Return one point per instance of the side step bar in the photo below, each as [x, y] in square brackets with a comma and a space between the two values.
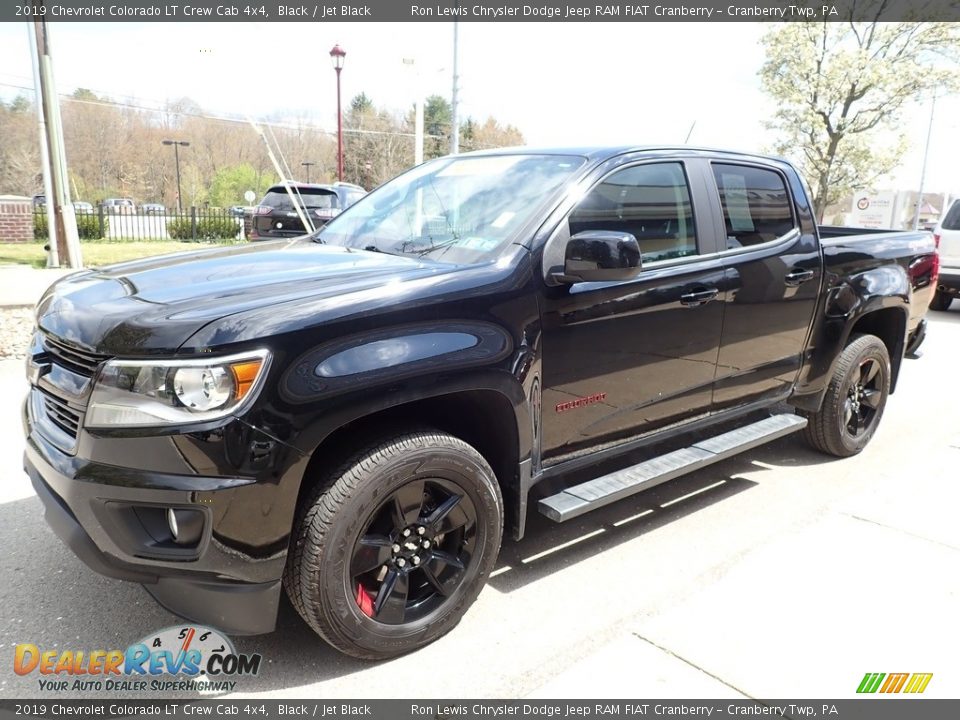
[579, 499]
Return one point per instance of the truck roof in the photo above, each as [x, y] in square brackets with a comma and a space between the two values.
[601, 152]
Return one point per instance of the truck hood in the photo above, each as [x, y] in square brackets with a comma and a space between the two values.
[154, 305]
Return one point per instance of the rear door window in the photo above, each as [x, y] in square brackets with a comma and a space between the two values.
[952, 219]
[755, 202]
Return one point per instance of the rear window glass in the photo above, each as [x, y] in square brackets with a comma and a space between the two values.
[756, 207]
[952, 220]
[311, 198]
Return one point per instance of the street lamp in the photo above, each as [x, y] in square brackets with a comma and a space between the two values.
[308, 165]
[177, 144]
[337, 55]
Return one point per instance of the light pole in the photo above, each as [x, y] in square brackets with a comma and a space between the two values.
[177, 144]
[308, 165]
[337, 55]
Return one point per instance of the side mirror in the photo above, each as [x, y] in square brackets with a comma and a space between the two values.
[600, 255]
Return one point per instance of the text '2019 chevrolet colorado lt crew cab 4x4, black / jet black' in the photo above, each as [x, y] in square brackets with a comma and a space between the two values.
[360, 415]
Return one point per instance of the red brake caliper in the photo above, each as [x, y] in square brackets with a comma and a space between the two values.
[365, 601]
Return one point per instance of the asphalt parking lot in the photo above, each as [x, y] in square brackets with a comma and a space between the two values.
[777, 574]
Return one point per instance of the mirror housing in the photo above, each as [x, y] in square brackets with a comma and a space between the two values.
[600, 256]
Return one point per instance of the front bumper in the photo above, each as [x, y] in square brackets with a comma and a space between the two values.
[104, 514]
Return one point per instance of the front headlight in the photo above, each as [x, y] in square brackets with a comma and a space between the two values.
[148, 393]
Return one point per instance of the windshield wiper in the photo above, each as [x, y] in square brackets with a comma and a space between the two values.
[437, 246]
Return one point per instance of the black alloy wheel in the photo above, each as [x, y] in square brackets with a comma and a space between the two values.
[414, 552]
[864, 395]
[391, 547]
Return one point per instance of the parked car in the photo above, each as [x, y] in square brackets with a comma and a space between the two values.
[153, 209]
[360, 415]
[237, 211]
[947, 235]
[276, 217]
[119, 206]
[81, 207]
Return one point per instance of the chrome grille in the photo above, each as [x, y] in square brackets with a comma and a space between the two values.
[72, 357]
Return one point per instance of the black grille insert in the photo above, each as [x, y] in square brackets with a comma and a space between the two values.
[61, 415]
[72, 357]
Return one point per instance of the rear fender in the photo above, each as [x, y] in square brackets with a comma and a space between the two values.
[876, 301]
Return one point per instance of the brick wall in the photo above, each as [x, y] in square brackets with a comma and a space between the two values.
[16, 219]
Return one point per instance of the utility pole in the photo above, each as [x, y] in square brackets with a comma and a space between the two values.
[177, 144]
[53, 257]
[923, 170]
[63, 230]
[417, 112]
[454, 102]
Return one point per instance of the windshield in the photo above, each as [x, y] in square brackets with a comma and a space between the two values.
[278, 199]
[463, 209]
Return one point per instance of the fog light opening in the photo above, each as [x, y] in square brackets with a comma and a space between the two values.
[186, 526]
[172, 522]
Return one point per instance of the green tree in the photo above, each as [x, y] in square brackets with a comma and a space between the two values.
[437, 122]
[376, 145]
[230, 183]
[361, 103]
[20, 104]
[85, 94]
[841, 89]
[491, 134]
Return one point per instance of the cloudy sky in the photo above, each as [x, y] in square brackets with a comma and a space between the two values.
[577, 83]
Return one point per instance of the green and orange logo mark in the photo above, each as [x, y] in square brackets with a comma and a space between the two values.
[894, 682]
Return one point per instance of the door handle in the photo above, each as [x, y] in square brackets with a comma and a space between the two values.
[798, 276]
[698, 297]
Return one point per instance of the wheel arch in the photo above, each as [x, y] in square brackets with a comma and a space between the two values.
[890, 325]
[886, 317]
[487, 419]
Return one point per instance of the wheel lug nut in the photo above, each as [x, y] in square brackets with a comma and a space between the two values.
[426, 544]
[401, 562]
[406, 533]
[396, 548]
[415, 560]
[421, 530]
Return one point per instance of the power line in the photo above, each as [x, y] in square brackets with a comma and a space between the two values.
[218, 118]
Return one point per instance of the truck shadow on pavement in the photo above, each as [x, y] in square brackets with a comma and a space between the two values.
[54, 601]
[548, 546]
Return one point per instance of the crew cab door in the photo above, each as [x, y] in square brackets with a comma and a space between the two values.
[773, 267]
[624, 357]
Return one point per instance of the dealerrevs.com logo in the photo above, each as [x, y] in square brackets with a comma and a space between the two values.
[198, 658]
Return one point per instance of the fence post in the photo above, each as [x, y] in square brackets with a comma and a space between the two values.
[103, 230]
[193, 222]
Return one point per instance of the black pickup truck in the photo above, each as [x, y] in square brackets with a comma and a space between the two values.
[358, 416]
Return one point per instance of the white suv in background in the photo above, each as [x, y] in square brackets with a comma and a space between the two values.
[947, 233]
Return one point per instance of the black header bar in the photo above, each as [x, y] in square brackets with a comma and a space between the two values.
[474, 11]
[875, 708]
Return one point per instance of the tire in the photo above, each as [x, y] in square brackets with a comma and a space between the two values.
[855, 400]
[941, 301]
[420, 513]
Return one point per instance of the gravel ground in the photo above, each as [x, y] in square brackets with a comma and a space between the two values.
[16, 326]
